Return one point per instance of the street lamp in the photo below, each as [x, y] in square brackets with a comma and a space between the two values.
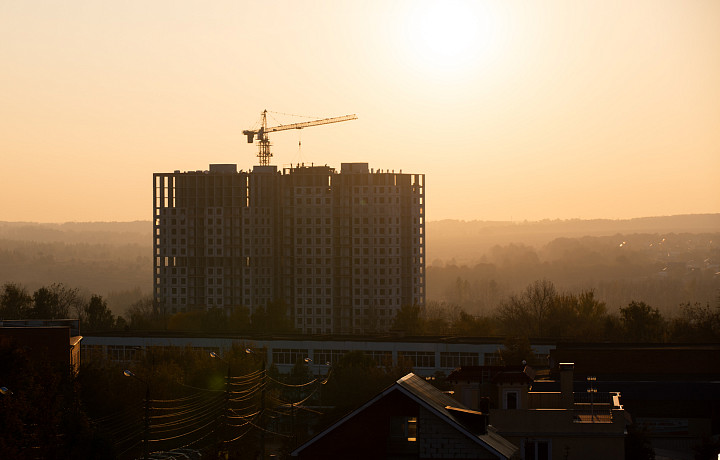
[146, 441]
[5, 391]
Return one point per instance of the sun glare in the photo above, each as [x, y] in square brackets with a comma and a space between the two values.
[447, 37]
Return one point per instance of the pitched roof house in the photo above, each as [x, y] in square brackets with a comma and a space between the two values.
[410, 419]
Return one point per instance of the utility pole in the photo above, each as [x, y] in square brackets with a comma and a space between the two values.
[294, 434]
[146, 441]
[263, 376]
[262, 410]
[226, 409]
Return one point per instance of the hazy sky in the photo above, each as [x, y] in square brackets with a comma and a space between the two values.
[513, 109]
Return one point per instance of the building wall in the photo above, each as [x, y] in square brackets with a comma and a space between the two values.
[345, 251]
[367, 434]
[567, 438]
[308, 248]
[45, 344]
[426, 357]
[437, 439]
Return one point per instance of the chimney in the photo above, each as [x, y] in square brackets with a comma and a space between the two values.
[566, 385]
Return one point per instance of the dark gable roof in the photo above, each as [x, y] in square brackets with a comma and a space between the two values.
[512, 376]
[428, 393]
[441, 405]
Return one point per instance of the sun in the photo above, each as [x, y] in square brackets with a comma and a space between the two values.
[447, 37]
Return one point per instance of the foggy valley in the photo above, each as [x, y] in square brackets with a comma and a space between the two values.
[663, 261]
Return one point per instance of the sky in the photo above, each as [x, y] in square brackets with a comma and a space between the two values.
[513, 110]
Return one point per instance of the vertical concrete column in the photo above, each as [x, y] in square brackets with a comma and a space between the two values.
[566, 385]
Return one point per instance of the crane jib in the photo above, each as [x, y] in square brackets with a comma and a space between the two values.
[306, 124]
[264, 143]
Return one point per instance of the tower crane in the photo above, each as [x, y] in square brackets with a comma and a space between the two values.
[262, 133]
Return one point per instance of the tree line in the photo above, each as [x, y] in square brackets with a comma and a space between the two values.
[57, 301]
[539, 310]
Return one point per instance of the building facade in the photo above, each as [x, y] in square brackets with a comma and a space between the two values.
[343, 250]
[426, 357]
[545, 424]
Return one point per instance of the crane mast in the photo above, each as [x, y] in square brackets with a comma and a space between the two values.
[264, 153]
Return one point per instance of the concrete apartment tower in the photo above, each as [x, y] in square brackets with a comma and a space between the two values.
[344, 251]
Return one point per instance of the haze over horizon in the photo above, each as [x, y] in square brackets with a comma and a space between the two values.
[513, 110]
[489, 221]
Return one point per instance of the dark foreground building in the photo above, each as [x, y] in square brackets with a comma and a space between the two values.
[56, 342]
[411, 419]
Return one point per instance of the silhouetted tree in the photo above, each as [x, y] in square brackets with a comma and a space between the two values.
[409, 320]
[515, 350]
[193, 320]
[697, 323]
[355, 378]
[45, 305]
[436, 319]
[97, 316]
[56, 301]
[146, 314]
[468, 325]
[273, 318]
[576, 316]
[642, 323]
[591, 314]
[15, 302]
[527, 314]
[239, 319]
[70, 301]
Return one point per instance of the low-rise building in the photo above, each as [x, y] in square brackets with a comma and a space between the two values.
[672, 390]
[54, 341]
[545, 424]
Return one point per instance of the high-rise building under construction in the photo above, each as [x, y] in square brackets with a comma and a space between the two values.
[344, 251]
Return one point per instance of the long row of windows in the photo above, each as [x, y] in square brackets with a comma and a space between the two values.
[290, 356]
[418, 358]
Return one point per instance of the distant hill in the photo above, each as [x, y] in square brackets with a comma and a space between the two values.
[138, 232]
[112, 259]
[442, 235]
[467, 241]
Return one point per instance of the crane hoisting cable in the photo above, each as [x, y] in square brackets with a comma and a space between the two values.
[264, 153]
